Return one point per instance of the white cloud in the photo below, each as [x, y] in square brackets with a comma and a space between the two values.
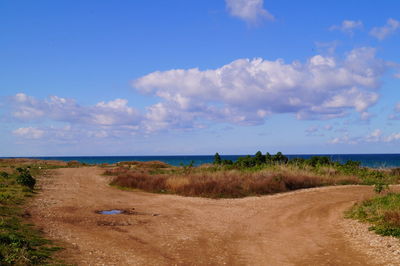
[29, 133]
[343, 140]
[348, 26]
[251, 11]
[243, 92]
[376, 136]
[246, 91]
[381, 33]
[55, 108]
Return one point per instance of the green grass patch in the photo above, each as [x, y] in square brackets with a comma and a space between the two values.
[20, 242]
[382, 212]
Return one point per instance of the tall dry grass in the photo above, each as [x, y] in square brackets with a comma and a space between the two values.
[227, 183]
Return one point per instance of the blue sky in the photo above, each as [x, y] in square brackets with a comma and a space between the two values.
[199, 77]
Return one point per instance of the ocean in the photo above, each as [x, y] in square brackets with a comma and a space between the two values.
[367, 160]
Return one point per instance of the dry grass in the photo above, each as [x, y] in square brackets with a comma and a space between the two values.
[225, 183]
[392, 218]
[149, 164]
[20, 162]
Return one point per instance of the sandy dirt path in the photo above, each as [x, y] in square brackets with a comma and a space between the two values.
[296, 228]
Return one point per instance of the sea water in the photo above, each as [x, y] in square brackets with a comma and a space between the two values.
[368, 160]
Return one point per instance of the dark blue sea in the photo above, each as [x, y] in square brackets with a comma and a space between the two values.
[368, 160]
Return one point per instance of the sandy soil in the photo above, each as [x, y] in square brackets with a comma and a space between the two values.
[296, 228]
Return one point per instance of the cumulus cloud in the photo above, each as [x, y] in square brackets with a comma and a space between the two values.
[247, 91]
[251, 11]
[29, 133]
[243, 92]
[381, 33]
[116, 112]
[348, 26]
[110, 119]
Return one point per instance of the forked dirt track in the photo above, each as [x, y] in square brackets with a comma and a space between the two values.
[296, 228]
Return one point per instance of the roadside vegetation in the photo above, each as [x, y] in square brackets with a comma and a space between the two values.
[383, 212]
[20, 242]
[248, 176]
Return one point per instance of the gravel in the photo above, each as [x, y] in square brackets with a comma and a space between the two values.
[384, 250]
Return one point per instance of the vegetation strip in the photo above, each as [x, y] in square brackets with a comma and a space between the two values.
[383, 212]
[20, 242]
[251, 175]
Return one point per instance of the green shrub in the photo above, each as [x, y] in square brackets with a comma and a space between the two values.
[25, 178]
[217, 159]
[4, 174]
[319, 161]
[380, 186]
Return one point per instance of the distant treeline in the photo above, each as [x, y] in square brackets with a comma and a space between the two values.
[260, 159]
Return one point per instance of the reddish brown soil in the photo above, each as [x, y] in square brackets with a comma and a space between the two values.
[296, 228]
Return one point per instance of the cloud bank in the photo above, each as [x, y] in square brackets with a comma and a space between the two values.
[243, 92]
[246, 91]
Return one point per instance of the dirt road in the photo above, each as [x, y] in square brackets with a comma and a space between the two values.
[297, 228]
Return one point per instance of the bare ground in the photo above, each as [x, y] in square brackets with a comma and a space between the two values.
[297, 228]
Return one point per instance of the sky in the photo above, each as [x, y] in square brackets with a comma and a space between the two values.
[179, 77]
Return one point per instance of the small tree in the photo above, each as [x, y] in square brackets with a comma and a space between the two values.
[259, 158]
[217, 159]
[280, 158]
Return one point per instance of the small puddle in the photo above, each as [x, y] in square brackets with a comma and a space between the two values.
[124, 211]
[111, 212]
